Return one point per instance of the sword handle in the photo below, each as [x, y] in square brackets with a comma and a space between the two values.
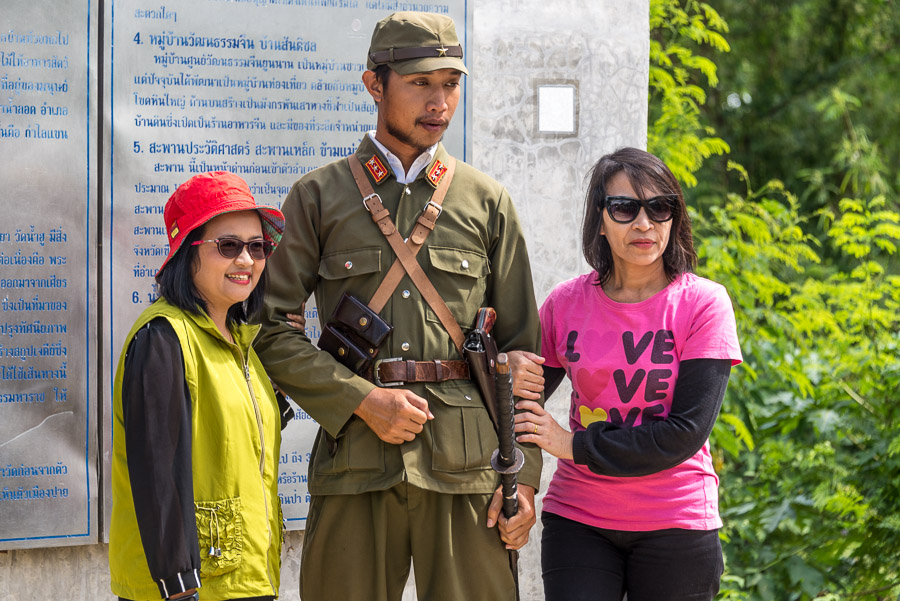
[507, 459]
[508, 456]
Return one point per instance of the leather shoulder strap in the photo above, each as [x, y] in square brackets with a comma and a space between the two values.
[424, 226]
[406, 252]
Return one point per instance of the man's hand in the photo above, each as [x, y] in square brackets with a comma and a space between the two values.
[396, 415]
[515, 530]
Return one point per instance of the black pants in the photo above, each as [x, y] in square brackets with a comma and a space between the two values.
[583, 563]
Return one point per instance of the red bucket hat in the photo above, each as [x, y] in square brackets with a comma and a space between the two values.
[209, 195]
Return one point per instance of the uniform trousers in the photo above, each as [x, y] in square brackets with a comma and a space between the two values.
[358, 547]
[584, 563]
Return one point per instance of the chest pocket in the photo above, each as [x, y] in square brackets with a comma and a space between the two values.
[350, 263]
[460, 276]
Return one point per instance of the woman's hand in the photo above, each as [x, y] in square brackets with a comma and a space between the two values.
[537, 426]
[527, 374]
[297, 321]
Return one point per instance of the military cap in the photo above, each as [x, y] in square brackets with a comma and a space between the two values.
[415, 42]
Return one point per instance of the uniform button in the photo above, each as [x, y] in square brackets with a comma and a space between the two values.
[405, 346]
[348, 265]
[407, 191]
[465, 264]
[405, 294]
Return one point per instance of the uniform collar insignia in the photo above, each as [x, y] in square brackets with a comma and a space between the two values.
[436, 173]
[376, 169]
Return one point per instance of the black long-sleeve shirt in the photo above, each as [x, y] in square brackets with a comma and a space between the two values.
[156, 407]
[617, 450]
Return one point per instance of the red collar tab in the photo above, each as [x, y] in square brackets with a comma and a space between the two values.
[438, 170]
[376, 169]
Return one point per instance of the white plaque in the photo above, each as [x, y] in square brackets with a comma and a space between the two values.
[556, 109]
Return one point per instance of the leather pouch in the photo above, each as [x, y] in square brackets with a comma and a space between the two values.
[358, 320]
[346, 351]
[354, 334]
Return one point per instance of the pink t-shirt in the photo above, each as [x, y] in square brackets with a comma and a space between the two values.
[622, 359]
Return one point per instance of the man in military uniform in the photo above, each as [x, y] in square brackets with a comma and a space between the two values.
[402, 471]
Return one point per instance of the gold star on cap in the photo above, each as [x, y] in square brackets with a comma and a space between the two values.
[442, 51]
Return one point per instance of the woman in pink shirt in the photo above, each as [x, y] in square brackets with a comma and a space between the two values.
[648, 347]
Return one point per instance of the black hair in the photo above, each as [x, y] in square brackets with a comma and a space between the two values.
[645, 172]
[176, 284]
[382, 75]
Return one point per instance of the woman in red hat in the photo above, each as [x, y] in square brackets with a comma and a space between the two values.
[196, 428]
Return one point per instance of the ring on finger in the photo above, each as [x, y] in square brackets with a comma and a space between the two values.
[535, 429]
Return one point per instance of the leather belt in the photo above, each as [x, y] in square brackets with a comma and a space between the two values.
[396, 371]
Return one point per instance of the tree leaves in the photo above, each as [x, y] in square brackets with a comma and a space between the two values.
[677, 78]
[806, 444]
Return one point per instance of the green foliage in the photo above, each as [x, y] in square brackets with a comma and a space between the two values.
[806, 445]
[675, 133]
[801, 506]
[786, 58]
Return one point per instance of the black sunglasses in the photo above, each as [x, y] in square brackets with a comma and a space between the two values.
[231, 248]
[624, 209]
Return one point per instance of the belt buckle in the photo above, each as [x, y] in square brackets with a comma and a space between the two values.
[375, 377]
[366, 200]
[431, 203]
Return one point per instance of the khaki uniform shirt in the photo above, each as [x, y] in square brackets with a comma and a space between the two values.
[475, 257]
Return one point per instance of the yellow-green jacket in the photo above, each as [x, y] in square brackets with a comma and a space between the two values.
[475, 257]
[235, 438]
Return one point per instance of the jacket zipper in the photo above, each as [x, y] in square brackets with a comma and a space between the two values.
[262, 462]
